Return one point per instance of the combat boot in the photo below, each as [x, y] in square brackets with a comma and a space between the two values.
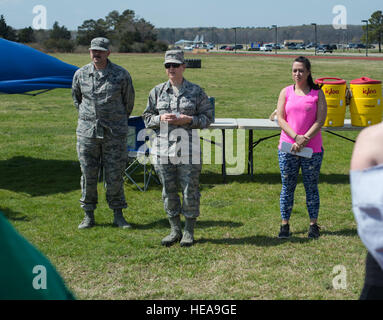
[88, 221]
[188, 236]
[175, 232]
[119, 219]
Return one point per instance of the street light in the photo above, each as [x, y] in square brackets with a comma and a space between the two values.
[174, 37]
[315, 27]
[276, 36]
[366, 21]
[235, 40]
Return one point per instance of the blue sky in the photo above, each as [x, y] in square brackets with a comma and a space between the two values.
[192, 13]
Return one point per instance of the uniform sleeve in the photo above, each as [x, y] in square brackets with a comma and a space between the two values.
[205, 112]
[150, 115]
[128, 94]
[368, 208]
[76, 90]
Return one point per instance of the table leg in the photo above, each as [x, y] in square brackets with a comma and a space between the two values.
[223, 156]
[250, 154]
[252, 145]
[340, 136]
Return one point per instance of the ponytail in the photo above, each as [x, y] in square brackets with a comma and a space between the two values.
[310, 80]
[312, 84]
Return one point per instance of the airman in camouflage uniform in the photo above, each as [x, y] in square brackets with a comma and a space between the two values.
[103, 94]
[174, 110]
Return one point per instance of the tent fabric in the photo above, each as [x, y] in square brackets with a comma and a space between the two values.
[19, 277]
[25, 69]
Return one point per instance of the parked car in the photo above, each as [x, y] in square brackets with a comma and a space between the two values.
[300, 47]
[276, 46]
[230, 48]
[266, 47]
[351, 45]
[356, 46]
[237, 47]
[223, 47]
[333, 46]
[310, 45]
[324, 48]
[292, 46]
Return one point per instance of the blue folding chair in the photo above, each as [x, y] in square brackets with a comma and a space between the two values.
[212, 101]
[138, 153]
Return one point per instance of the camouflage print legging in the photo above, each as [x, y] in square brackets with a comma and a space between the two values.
[187, 176]
[289, 165]
[112, 152]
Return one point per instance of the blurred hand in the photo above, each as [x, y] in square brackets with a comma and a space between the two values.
[296, 147]
[167, 117]
[300, 142]
[181, 120]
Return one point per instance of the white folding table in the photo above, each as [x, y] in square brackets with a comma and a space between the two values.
[267, 124]
[223, 124]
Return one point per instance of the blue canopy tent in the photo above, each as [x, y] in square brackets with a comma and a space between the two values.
[24, 69]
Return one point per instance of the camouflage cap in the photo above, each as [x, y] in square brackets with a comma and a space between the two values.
[174, 56]
[100, 43]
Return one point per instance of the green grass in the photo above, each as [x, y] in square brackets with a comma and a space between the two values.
[237, 254]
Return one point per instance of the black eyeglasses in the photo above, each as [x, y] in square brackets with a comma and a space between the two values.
[172, 65]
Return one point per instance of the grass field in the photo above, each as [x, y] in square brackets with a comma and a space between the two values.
[237, 254]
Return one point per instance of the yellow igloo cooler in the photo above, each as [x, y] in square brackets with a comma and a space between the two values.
[334, 90]
[366, 102]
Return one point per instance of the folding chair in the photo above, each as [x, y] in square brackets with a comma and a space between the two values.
[138, 154]
[212, 101]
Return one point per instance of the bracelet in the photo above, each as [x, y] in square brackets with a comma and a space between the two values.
[295, 138]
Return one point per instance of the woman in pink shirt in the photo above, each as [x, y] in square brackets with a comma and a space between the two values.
[301, 113]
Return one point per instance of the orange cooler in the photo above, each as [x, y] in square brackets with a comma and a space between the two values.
[334, 90]
[366, 102]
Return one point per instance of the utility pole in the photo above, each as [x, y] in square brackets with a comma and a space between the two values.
[276, 36]
[366, 21]
[316, 40]
[235, 40]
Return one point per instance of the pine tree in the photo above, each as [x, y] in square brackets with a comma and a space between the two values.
[376, 28]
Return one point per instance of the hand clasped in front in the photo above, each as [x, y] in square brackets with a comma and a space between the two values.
[176, 119]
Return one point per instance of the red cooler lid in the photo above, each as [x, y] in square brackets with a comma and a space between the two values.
[331, 81]
[365, 80]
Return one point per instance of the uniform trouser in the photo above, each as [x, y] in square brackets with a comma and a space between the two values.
[289, 165]
[187, 176]
[111, 153]
[373, 282]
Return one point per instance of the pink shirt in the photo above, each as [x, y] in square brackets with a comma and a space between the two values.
[300, 114]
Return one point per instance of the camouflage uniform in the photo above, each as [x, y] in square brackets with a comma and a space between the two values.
[104, 100]
[191, 100]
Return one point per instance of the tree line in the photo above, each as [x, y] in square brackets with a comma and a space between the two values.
[131, 34]
[248, 35]
[126, 32]
[325, 34]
